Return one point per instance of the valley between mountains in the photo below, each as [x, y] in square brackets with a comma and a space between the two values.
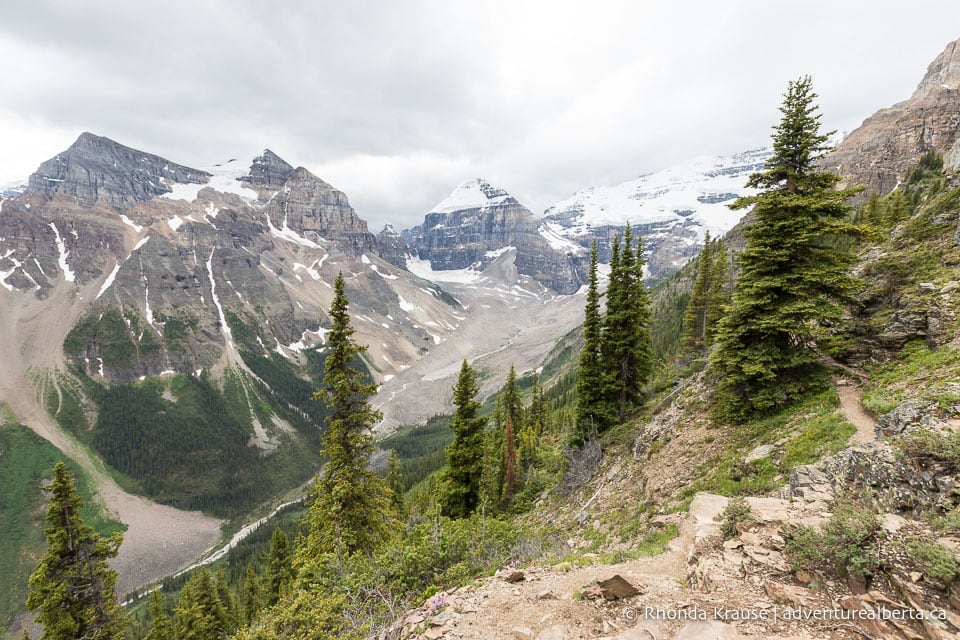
[165, 328]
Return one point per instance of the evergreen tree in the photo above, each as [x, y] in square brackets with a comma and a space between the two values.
[228, 604]
[72, 588]
[509, 461]
[793, 278]
[395, 484]
[718, 293]
[279, 567]
[200, 614]
[594, 412]
[627, 354]
[250, 596]
[695, 317]
[161, 628]
[349, 500]
[461, 490]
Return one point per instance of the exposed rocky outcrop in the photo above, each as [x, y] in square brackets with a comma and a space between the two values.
[897, 483]
[269, 172]
[473, 226]
[392, 247]
[888, 144]
[97, 170]
[313, 208]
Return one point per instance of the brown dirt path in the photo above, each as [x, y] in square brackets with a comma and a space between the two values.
[851, 404]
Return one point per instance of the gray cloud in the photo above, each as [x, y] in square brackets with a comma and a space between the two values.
[396, 102]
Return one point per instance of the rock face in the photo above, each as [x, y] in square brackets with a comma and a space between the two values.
[477, 222]
[310, 206]
[881, 152]
[269, 172]
[97, 170]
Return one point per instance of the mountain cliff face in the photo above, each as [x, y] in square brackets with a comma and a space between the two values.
[888, 144]
[477, 222]
[97, 170]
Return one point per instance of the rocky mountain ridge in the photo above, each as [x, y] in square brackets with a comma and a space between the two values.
[880, 152]
[472, 226]
[181, 267]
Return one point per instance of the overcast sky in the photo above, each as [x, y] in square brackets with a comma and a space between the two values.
[396, 102]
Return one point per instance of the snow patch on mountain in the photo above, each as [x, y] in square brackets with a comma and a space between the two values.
[697, 192]
[472, 194]
[225, 178]
[422, 269]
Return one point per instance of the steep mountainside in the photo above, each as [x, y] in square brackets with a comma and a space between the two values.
[672, 209]
[476, 222]
[888, 144]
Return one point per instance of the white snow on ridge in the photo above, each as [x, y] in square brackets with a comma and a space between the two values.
[423, 269]
[698, 190]
[109, 281]
[496, 253]
[224, 179]
[553, 234]
[472, 194]
[62, 259]
[130, 223]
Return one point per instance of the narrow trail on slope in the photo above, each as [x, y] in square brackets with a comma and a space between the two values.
[851, 404]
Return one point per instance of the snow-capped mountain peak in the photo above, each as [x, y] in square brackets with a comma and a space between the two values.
[697, 192]
[472, 194]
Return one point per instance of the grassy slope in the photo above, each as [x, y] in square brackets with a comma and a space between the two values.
[26, 462]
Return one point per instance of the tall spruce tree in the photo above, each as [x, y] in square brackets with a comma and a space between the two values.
[793, 278]
[161, 628]
[594, 412]
[72, 589]
[395, 484]
[349, 501]
[200, 613]
[461, 490]
[279, 568]
[695, 317]
[510, 471]
[627, 354]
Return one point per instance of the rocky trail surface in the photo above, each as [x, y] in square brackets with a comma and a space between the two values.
[701, 588]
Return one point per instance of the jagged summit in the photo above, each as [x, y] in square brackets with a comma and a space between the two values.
[943, 72]
[97, 170]
[473, 194]
[268, 172]
[880, 152]
[475, 225]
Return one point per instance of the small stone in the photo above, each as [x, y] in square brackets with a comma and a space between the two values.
[733, 543]
[759, 453]
[707, 630]
[515, 576]
[522, 633]
[926, 286]
[557, 632]
[617, 588]
[950, 286]
[915, 576]
[546, 595]
[435, 633]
